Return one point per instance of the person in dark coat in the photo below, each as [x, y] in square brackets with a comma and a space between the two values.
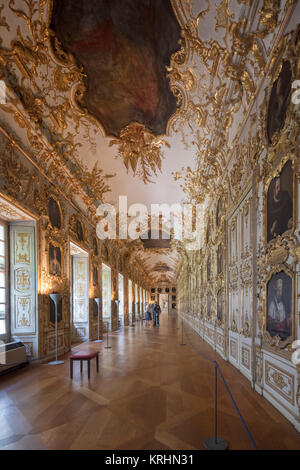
[156, 313]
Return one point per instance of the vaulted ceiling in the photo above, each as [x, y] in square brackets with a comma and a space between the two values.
[142, 98]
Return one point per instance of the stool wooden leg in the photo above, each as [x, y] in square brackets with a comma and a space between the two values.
[71, 368]
[89, 368]
[97, 362]
[81, 366]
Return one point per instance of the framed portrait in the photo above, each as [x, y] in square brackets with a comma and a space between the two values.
[279, 101]
[152, 297]
[79, 230]
[95, 246]
[152, 290]
[219, 212]
[220, 306]
[173, 298]
[208, 268]
[95, 276]
[208, 305]
[159, 290]
[54, 212]
[59, 311]
[219, 260]
[55, 260]
[167, 290]
[280, 305]
[280, 203]
[173, 289]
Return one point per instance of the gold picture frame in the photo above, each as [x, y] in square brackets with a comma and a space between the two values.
[55, 265]
[276, 173]
[58, 203]
[276, 340]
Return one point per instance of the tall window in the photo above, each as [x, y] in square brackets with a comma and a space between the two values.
[3, 278]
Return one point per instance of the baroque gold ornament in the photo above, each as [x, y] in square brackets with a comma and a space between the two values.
[140, 150]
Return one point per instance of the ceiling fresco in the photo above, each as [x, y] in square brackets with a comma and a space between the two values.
[124, 47]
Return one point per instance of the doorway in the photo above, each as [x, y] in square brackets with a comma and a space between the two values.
[18, 277]
[79, 293]
[164, 302]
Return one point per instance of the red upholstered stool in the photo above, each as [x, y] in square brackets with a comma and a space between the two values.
[84, 357]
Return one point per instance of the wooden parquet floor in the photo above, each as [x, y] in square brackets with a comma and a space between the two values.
[150, 393]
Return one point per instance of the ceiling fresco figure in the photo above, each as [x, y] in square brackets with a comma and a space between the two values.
[124, 47]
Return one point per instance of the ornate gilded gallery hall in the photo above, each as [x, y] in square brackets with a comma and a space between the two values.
[149, 225]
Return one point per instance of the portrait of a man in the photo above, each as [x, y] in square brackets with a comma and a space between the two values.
[54, 213]
[280, 203]
[279, 100]
[54, 260]
[79, 231]
[279, 302]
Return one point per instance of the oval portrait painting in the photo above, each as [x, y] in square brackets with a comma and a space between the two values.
[79, 231]
[54, 213]
[279, 305]
[279, 100]
[280, 203]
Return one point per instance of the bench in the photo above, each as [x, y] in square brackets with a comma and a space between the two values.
[84, 357]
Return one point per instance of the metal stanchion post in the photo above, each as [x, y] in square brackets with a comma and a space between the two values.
[215, 443]
[107, 346]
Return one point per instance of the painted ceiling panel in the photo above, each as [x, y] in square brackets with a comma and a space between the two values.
[124, 47]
